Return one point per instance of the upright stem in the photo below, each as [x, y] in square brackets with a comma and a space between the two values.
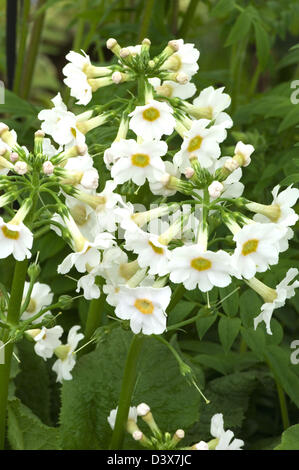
[283, 406]
[33, 50]
[22, 45]
[146, 19]
[127, 388]
[80, 28]
[188, 17]
[12, 317]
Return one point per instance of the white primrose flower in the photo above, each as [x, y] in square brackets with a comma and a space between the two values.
[144, 307]
[41, 296]
[47, 340]
[159, 187]
[151, 253]
[152, 120]
[76, 79]
[224, 438]
[201, 142]
[115, 152]
[65, 353]
[88, 284]
[61, 124]
[245, 151]
[276, 298]
[89, 257]
[193, 266]
[184, 60]
[105, 212]
[173, 89]
[140, 162]
[213, 102]
[112, 416]
[16, 240]
[257, 248]
[84, 216]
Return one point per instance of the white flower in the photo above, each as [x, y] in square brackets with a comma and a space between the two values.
[225, 441]
[214, 102]
[245, 152]
[89, 286]
[76, 79]
[89, 257]
[144, 307]
[112, 417]
[173, 89]
[61, 124]
[67, 361]
[201, 142]
[184, 60]
[151, 253]
[16, 240]
[257, 248]
[47, 340]
[152, 120]
[41, 296]
[106, 212]
[284, 290]
[159, 186]
[140, 162]
[193, 266]
[84, 216]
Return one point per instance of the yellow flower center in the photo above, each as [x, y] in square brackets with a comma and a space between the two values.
[201, 264]
[73, 131]
[195, 143]
[140, 159]
[12, 234]
[249, 247]
[156, 249]
[32, 306]
[144, 306]
[151, 114]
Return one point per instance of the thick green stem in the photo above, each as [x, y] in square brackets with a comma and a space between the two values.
[146, 19]
[188, 17]
[283, 406]
[12, 317]
[127, 388]
[22, 45]
[32, 51]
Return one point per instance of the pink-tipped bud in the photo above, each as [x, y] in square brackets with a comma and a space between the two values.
[143, 409]
[189, 172]
[231, 164]
[39, 133]
[48, 168]
[215, 189]
[117, 77]
[14, 157]
[174, 45]
[124, 52]
[137, 435]
[111, 43]
[21, 168]
[3, 127]
[182, 78]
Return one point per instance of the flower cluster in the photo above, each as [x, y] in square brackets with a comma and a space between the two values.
[133, 257]
[223, 440]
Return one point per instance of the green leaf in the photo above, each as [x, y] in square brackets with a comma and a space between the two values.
[255, 339]
[262, 44]
[203, 325]
[290, 179]
[17, 106]
[228, 329]
[250, 305]
[27, 432]
[240, 29]
[279, 360]
[94, 391]
[289, 439]
[290, 120]
[222, 8]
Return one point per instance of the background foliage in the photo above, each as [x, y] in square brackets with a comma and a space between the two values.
[250, 47]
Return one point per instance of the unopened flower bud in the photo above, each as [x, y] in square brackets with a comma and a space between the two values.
[137, 435]
[117, 77]
[21, 168]
[65, 302]
[3, 128]
[143, 409]
[146, 42]
[82, 149]
[124, 52]
[231, 165]
[182, 78]
[174, 44]
[180, 433]
[111, 43]
[34, 271]
[13, 157]
[215, 189]
[202, 445]
[39, 133]
[90, 179]
[48, 168]
[189, 172]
